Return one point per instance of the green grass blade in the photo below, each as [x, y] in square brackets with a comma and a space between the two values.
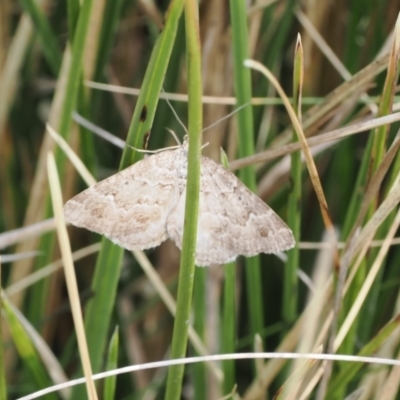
[228, 323]
[228, 327]
[187, 267]
[379, 148]
[199, 325]
[109, 260]
[107, 270]
[26, 349]
[112, 363]
[47, 37]
[112, 14]
[362, 326]
[39, 294]
[349, 370]
[73, 7]
[242, 84]
[290, 294]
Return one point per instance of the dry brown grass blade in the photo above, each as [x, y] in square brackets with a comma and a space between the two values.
[290, 389]
[367, 284]
[50, 269]
[316, 115]
[26, 232]
[73, 292]
[391, 201]
[272, 367]
[374, 185]
[304, 145]
[337, 134]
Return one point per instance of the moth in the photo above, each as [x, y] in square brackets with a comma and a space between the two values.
[143, 205]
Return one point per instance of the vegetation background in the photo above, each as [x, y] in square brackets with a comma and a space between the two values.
[346, 301]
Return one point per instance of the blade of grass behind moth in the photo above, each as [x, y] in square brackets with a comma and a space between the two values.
[165, 117]
[187, 267]
[108, 264]
[242, 85]
[290, 293]
[3, 393]
[228, 323]
[199, 325]
[147, 101]
[70, 277]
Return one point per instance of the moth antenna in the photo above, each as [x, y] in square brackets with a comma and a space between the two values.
[175, 137]
[205, 145]
[175, 114]
[151, 151]
[226, 117]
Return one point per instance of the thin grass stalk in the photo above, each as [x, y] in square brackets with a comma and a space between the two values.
[87, 144]
[199, 325]
[228, 323]
[70, 276]
[385, 106]
[3, 392]
[187, 266]
[351, 217]
[47, 37]
[98, 312]
[39, 292]
[112, 14]
[112, 363]
[242, 84]
[279, 38]
[73, 10]
[290, 294]
[228, 327]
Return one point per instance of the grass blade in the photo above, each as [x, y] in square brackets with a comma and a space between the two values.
[187, 267]
[242, 84]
